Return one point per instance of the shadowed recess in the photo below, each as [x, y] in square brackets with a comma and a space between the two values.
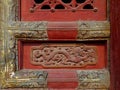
[88, 6]
[38, 1]
[59, 6]
[45, 7]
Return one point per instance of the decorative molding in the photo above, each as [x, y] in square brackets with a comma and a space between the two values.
[11, 61]
[14, 35]
[93, 79]
[19, 25]
[26, 78]
[93, 29]
[30, 35]
[63, 55]
[92, 34]
[13, 9]
[93, 25]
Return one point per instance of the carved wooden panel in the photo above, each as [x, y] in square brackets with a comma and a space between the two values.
[63, 10]
[19, 39]
[72, 5]
[63, 55]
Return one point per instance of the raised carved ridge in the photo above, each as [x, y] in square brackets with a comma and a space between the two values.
[93, 79]
[36, 34]
[28, 25]
[93, 29]
[27, 78]
[10, 76]
[86, 29]
[63, 55]
[93, 25]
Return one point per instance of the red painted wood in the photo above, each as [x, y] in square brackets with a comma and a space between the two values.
[62, 30]
[115, 44]
[62, 78]
[60, 15]
[63, 85]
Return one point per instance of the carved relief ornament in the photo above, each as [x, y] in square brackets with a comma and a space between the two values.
[64, 55]
[98, 79]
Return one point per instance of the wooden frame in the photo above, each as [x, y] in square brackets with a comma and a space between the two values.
[14, 30]
[115, 44]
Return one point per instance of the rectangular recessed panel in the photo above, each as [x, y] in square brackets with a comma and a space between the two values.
[56, 55]
[63, 10]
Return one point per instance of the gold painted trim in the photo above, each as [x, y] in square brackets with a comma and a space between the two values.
[10, 75]
[93, 79]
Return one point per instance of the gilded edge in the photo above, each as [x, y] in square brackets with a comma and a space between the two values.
[12, 29]
[8, 73]
[93, 29]
[93, 79]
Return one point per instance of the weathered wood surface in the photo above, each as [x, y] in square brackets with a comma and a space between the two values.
[115, 44]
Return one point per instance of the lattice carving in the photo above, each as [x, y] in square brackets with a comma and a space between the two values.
[63, 55]
[53, 5]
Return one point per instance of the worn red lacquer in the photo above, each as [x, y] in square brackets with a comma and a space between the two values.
[61, 10]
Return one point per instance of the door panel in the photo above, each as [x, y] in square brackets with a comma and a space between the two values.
[62, 54]
[58, 44]
[62, 59]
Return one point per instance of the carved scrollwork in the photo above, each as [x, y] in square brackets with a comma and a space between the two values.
[93, 29]
[87, 34]
[64, 55]
[93, 79]
[93, 25]
[28, 78]
[28, 25]
[10, 76]
[38, 34]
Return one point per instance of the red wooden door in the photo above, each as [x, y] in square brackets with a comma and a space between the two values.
[115, 44]
[62, 40]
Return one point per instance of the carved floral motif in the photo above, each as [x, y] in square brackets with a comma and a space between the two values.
[64, 55]
[28, 78]
[92, 29]
[93, 79]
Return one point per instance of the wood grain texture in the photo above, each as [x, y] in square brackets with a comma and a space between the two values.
[115, 43]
